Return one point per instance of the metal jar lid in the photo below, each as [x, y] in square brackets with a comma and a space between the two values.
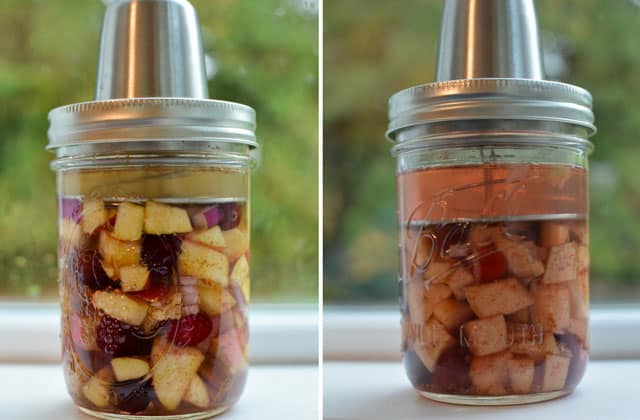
[151, 120]
[490, 99]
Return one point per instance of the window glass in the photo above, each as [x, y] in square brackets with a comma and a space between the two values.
[388, 48]
[262, 53]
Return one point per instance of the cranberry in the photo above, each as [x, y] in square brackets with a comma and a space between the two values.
[191, 329]
[418, 374]
[117, 338]
[160, 253]
[89, 271]
[70, 208]
[451, 374]
[231, 215]
[132, 396]
[490, 264]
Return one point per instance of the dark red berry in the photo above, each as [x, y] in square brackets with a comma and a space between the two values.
[89, 272]
[117, 338]
[231, 215]
[160, 253]
[70, 208]
[191, 329]
[490, 264]
[132, 396]
[451, 374]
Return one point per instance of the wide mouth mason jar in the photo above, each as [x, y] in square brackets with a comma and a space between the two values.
[153, 222]
[493, 230]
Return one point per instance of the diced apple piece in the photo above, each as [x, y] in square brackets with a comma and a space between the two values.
[415, 301]
[481, 235]
[164, 219]
[127, 368]
[580, 328]
[212, 237]
[231, 349]
[159, 347]
[96, 390]
[120, 306]
[210, 266]
[110, 271]
[452, 313]
[580, 230]
[215, 299]
[433, 295]
[70, 233]
[240, 275]
[417, 251]
[521, 373]
[237, 243]
[555, 372]
[561, 264]
[437, 272]
[94, 215]
[134, 278]
[209, 217]
[116, 253]
[553, 233]
[431, 342]
[83, 331]
[129, 222]
[522, 257]
[579, 292]
[520, 317]
[490, 374]
[583, 259]
[552, 307]
[500, 297]
[167, 307]
[531, 341]
[486, 336]
[458, 280]
[173, 373]
[197, 393]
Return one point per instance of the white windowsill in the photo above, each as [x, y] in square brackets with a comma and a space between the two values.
[278, 333]
[37, 392]
[381, 391]
[374, 334]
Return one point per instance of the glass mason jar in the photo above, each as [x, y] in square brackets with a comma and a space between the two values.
[494, 244]
[153, 217]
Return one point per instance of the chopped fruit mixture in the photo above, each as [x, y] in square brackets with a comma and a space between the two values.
[154, 299]
[496, 309]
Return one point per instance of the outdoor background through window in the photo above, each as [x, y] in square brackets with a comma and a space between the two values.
[262, 53]
[388, 48]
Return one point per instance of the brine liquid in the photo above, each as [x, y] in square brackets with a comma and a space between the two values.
[494, 279]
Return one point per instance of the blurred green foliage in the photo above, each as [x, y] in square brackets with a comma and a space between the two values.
[373, 48]
[266, 55]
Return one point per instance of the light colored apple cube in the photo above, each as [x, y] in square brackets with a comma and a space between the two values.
[553, 233]
[437, 272]
[215, 299]
[580, 230]
[482, 235]
[116, 253]
[203, 262]
[230, 348]
[121, 306]
[521, 373]
[490, 374]
[552, 306]
[96, 390]
[500, 297]
[555, 372]
[159, 348]
[134, 278]
[458, 280]
[168, 307]
[164, 219]
[519, 317]
[173, 373]
[452, 313]
[486, 336]
[197, 393]
[583, 259]
[433, 340]
[94, 215]
[237, 243]
[418, 251]
[531, 341]
[212, 237]
[129, 222]
[579, 292]
[110, 271]
[433, 295]
[522, 257]
[240, 275]
[127, 368]
[562, 263]
[580, 328]
[70, 233]
[414, 294]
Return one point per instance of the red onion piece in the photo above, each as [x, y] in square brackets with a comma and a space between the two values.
[70, 208]
[209, 217]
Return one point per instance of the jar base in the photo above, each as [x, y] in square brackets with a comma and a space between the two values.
[515, 399]
[187, 416]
